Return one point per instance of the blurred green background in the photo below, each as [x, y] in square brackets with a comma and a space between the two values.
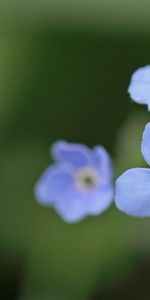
[64, 71]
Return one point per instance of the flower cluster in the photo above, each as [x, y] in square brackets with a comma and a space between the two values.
[133, 186]
[80, 182]
[132, 190]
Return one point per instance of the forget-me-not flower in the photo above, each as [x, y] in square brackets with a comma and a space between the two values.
[139, 87]
[132, 194]
[79, 183]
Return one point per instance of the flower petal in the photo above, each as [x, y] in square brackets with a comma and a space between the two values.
[145, 146]
[133, 192]
[139, 87]
[74, 154]
[100, 201]
[52, 184]
[76, 206]
[72, 209]
[103, 164]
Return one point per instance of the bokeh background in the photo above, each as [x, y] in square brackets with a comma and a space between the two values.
[64, 72]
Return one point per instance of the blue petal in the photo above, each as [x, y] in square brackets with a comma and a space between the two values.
[133, 192]
[100, 201]
[139, 88]
[76, 206]
[103, 163]
[145, 147]
[75, 154]
[52, 184]
[71, 210]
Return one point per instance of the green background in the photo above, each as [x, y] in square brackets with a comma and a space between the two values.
[64, 71]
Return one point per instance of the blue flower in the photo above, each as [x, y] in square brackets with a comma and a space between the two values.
[79, 183]
[139, 88]
[132, 194]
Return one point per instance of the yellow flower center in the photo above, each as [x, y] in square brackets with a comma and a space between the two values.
[87, 178]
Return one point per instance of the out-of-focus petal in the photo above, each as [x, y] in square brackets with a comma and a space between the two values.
[139, 87]
[76, 206]
[72, 209]
[132, 194]
[145, 146]
[75, 154]
[103, 163]
[54, 181]
[100, 201]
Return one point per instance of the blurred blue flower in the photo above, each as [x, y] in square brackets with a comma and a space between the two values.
[132, 194]
[139, 87]
[79, 183]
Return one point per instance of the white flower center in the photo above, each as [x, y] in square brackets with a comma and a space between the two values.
[87, 179]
